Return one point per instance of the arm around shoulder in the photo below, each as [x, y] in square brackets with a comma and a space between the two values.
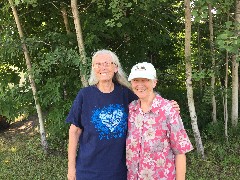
[175, 105]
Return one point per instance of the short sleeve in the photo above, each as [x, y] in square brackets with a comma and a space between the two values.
[74, 116]
[131, 96]
[180, 143]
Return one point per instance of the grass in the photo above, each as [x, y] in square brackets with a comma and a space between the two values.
[21, 157]
[222, 161]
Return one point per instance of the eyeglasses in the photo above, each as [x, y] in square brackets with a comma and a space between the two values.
[104, 64]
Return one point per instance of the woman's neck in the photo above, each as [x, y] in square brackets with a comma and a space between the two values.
[146, 103]
[106, 86]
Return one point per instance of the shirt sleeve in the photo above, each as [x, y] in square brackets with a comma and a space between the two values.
[131, 96]
[74, 116]
[180, 143]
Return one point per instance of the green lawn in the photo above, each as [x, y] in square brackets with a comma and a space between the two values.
[21, 157]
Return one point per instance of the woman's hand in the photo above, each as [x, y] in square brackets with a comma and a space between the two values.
[71, 173]
[175, 105]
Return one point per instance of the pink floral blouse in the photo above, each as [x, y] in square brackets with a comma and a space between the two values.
[153, 140]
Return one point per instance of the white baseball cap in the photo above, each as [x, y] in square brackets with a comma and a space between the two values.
[143, 70]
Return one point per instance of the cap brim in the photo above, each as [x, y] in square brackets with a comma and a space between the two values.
[140, 75]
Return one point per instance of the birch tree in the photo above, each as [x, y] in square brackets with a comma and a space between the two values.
[225, 92]
[235, 65]
[66, 24]
[31, 79]
[225, 99]
[213, 79]
[189, 87]
[80, 41]
[199, 59]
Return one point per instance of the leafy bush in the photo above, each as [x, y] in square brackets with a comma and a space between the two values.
[57, 77]
[15, 101]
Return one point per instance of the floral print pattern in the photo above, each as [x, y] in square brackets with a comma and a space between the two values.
[153, 140]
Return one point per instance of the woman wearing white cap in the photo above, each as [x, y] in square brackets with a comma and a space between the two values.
[98, 120]
[156, 140]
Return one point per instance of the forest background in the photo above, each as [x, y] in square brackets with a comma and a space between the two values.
[54, 51]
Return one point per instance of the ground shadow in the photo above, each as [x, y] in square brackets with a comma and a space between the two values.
[26, 126]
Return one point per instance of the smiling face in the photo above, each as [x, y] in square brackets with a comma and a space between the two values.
[103, 67]
[143, 87]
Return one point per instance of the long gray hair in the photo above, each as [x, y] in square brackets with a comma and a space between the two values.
[119, 76]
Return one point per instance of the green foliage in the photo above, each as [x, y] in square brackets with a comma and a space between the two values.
[11, 51]
[15, 101]
[200, 11]
[202, 102]
[228, 40]
[135, 30]
[54, 73]
[15, 97]
[32, 2]
[204, 74]
[119, 9]
[57, 129]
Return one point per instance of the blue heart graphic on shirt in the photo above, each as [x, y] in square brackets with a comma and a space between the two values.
[111, 120]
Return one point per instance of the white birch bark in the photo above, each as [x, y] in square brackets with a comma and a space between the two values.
[234, 91]
[80, 40]
[225, 100]
[235, 65]
[214, 106]
[190, 98]
[31, 79]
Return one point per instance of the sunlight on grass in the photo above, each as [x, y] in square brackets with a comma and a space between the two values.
[20, 117]
[6, 161]
[13, 149]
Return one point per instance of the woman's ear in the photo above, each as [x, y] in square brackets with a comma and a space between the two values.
[116, 69]
[154, 81]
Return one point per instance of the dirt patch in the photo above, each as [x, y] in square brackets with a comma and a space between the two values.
[26, 126]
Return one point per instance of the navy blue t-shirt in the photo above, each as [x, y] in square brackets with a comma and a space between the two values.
[103, 120]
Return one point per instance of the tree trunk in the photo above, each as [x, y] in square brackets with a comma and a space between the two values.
[235, 65]
[193, 115]
[214, 106]
[199, 61]
[32, 83]
[225, 101]
[80, 42]
[66, 23]
[65, 19]
[234, 91]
